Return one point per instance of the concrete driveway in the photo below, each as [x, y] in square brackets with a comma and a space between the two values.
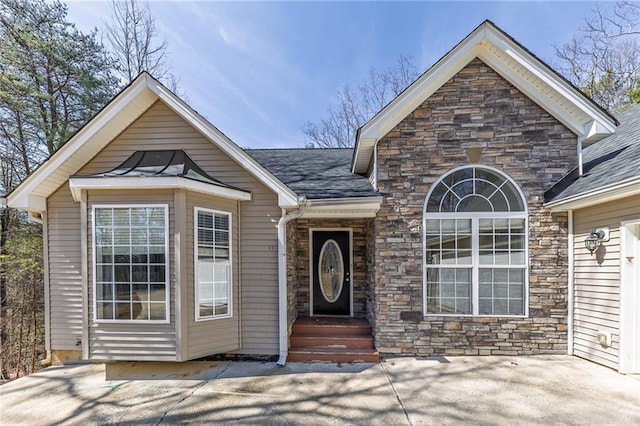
[454, 390]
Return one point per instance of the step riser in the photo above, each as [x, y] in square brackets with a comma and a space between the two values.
[319, 330]
[337, 357]
[326, 341]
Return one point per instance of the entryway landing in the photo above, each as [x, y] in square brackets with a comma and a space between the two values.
[332, 339]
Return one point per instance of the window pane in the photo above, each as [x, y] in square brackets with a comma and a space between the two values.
[121, 217]
[156, 217]
[139, 236]
[104, 292]
[206, 309]
[104, 310]
[123, 311]
[157, 311]
[222, 222]
[433, 205]
[104, 273]
[433, 226]
[157, 292]
[205, 220]
[139, 274]
[205, 237]
[122, 273]
[104, 236]
[104, 217]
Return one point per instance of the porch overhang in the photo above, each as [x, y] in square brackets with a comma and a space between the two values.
[342, 208]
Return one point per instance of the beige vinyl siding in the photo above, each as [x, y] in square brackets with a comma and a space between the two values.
[65, 270]
[207, 337]
[132, 341]
[597, 280]
[160, 128]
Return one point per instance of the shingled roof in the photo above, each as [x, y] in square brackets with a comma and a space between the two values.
[613, 160]
[315, 173]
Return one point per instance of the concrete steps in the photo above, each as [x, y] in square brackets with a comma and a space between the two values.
[332, 339]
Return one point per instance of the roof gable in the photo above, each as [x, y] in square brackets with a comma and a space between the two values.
[514, 63]
[114, 118]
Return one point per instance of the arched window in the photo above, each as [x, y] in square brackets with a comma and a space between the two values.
[475, 245]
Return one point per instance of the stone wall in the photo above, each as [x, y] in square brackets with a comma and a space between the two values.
[476, 112]
[292, 274]
[359, 277]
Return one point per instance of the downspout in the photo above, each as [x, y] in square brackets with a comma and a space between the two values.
[580, 169]
[282, 277]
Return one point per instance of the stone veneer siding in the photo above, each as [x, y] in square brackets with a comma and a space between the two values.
[292, 274]
[476, 108]
[359, 277]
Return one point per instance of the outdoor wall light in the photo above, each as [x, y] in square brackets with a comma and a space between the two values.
[595, 238]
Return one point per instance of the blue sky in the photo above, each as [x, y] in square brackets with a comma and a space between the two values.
[259, 70]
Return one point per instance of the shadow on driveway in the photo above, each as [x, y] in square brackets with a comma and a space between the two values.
[452, 390]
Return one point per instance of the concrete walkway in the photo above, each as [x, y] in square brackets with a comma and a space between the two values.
[455, 390]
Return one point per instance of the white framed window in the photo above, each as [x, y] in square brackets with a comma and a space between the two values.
[475, 245]
[212, 258]
[130, 262]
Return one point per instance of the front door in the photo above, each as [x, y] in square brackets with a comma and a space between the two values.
[331, 272]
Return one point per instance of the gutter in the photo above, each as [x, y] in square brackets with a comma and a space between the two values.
[624, 188]
[282, 277]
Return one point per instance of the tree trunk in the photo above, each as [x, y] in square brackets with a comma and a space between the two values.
[5, 220]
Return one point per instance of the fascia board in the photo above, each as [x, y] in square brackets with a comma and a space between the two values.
[286, 197]
[77, 184]
[346, 208]
[19, 198]
[626, 188]
[550, 79]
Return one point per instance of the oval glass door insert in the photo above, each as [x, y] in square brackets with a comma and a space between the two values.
[331, 271]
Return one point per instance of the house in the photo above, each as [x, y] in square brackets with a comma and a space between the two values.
[455, 226]
[603, 204]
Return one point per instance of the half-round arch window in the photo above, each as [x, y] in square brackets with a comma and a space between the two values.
[475, 245]
[475, 189]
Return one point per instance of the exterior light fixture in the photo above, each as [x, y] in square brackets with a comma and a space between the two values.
[595, 238]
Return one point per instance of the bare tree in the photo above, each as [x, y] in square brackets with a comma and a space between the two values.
[135, 42]
[603, 59]
[355, 106]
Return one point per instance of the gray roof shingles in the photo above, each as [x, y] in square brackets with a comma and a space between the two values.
[315, 173]
[607, 162]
